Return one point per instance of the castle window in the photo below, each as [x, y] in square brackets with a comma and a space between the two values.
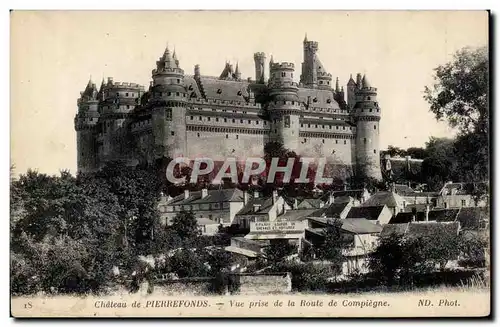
[219, 91]
[328, 82]
[374, 126]
[371, 110]
[301, 125]
[237, 136]
[177, 93]
[275, 130]
[191, 117]
[374, 151]
[198, 134]
[239, 92]
[283, 74]
[330, 126]
[343, 127]
[191, 87]
[234, 111]
[172, 133]
[241, 121]
[336, 127]
[234, 120]
[227, 136]
[200, 118]
[208, 118]
[217, 119]
[249, 121]
[265, 123]
[464, 203]
[292, 75]
[336, 141]
[117, 94]
[169, 93]
[315, 100]
[178, 80]
[128, 107]
[256, 122]
[320, 82]
[368, 98]
[323, 140]
[364, 140]
[328, 101]
[305, 140]
[225, 120]
[308, 125]
[345, 142]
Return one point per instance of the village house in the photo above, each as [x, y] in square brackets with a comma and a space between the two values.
[377, 214]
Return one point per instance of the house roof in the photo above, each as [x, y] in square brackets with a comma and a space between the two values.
[357, 193]
[389, 199]
[264, 206]
[403, 189]
[370, 213]
[356, 225]
[297, 215]
[321, 96]
[333, 210]
[213, 196]
[429, 228]
[389, 229]
[459, 188]
[471, 217]
[218, 89]
[311, 202]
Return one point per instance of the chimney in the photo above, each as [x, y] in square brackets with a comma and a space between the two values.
[427, 213]
[245, 197]
[345, 186]
[204, 193]
[393, 187]
[197, 71]
[186, 194]
[295, 204]
[256, 194]
[275, 196]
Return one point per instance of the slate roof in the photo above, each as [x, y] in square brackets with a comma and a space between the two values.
[265, 206]
[321, 96]
[313, 202]
[333, 210]
[370, 213]
[428, 228]
[214, 196]
[357, 194]
[389, 229]
[389, 199]
[356, 225]
[297, 215]
[403, 189]
[228, 89]
[471, 217]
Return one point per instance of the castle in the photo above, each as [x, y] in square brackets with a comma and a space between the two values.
[227, 116]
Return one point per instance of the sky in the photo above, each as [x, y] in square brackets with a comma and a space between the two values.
[54, 53]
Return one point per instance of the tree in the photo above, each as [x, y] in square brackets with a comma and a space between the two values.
[278, 250]
[387, 259]
[333, 245]
[185, 225]
[460, 95]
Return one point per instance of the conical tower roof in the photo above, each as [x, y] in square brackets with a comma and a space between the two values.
[366, 84]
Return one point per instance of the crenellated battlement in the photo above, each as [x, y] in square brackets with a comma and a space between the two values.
[122, 85]
[283, 65]
[259, 55]
[166, 70]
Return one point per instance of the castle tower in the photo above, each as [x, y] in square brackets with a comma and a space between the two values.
[169, 107]
[309, 76]
[118, 100]
[367, 116]
[85, 121]
[351, 93]
[284, 107]
[260, 59]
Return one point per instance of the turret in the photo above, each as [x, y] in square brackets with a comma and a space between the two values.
[168, 105]
[85, 121]
[237, 73]
[284, 107]
[309, 76]
[259, 58]
[367, 116]
[351, 93]
[118, 101]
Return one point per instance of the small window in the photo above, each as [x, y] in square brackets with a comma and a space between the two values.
[368, 98]
[301, 125]
[217, 119]
[364, 140]
[343, 127]
[191, 117]
[237, 137]
[200, 118]
[169, 93]
[177, 93]
[178, 80]
[374, 151]
[128, 107]
[464, 203]
[336, 141]
[445, 205]
[323, 141]
[234, 120]
[227, 136]
[198, 134]
[208, 118]
[256, 122]
[374, 126]
[225, 120]
[345, 142]
[241, 121]
[172, 133]
[283, 74]
[249, 121]
[320, 82]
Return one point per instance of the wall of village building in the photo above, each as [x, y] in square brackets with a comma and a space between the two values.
[458, 201]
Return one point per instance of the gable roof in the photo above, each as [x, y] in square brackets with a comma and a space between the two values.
[428, 228]
[357, 193]
[403, 189]
[399, 229]
[224, 90]
[389, 199]
[265, 205]
[310, 203]
[367, 212]
[297, 215]
[356, 225]
[443, 215]
[333, 210]
[213, 196]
